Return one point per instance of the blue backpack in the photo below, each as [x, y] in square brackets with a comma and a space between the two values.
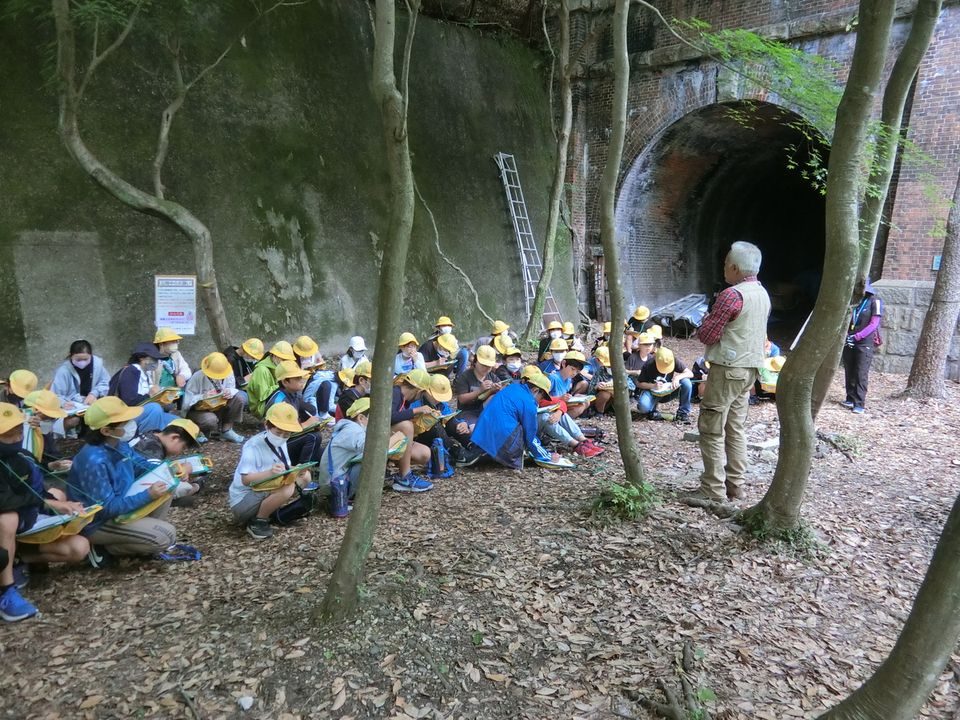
[439, 465]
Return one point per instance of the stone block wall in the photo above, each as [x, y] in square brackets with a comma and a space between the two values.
[905, 306]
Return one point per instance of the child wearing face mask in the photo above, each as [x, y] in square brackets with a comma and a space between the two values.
[356, 351]
[409, 357]
[357, 387]
[172, 370]
[264, 455]
[80, 379]
[43, 426]
[558, 351]
[553, 332]
[103, 471]
[509, 371]
[306, 446]
[133, 384]
[243, 360]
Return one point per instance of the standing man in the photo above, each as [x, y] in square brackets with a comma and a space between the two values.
[734, 333]
[862, 335]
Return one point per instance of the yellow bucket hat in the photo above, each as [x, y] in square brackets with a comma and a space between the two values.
[645, 338]
[407, 338]
[486, 356]
[288, 369]
[603, 355]
[23, 382]
[576, 356]
[363, 369]
[440, 389]
[558, 345]
[607, 328]
[46, 403]
[305, 346]
[360, 405]
[529, 371]
[216, 366]
[419, 378]
[283, 350]
[641, 313]
[499, 326]
[284, 416]
[346, 376]
[665, 361]
[10, 417]
[540, 380]
[109, 410]
[443, 320]
[165, 335]
[254, 348]
[448, 342]
[656, 332]
[555, 325]
[569, 329]
[189, 426]
[503, 344]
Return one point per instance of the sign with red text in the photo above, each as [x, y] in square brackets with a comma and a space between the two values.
[175, 303]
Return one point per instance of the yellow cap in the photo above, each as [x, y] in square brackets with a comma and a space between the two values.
[288, 369]
[503, 344]
[10, 417]
[607, 328]
[641, 313]
[443, 320]
[774, 363]
[529, 371]
[284, 416]
[440, 389]
[499, 326]
[407, 338]
[165, 335]
[216, 366]
[603, 355]
[346, 376]
[576, 356]
[558, 345]
[254, 348]
[569, 329]
[541, 381]
[419, 378]
[46, 403]
[512, 350]
[645, 338]
[360, 405]
[305, 346]
[23, 382]
[189, 426]
[665, 361]
[555, 325]
[109, 410]
[486, 356]
[655, 331]
[363, 369]
[448, 342]
[283, 350]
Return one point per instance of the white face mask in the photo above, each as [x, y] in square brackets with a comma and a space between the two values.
[171, 347]
[409, 351]
[446, 330]
[558, 357]
[46, 426]
[514, 366]
[554, 334]
[129, 431]
[274, 433]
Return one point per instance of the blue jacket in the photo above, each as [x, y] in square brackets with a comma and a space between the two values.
[102, 474]
[508, 425]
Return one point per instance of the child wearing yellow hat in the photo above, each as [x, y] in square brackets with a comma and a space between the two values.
[291, 380]
[407, 389]
[557, 351]
[408, 355]
[243, 359]
[263, 456]
[172, 370]
[211, 400]
[346, 443]
[262, 382]
[20, 384]
[663, 380]
[44, 425]
[640, 321]
[553, 331]
[353, 386]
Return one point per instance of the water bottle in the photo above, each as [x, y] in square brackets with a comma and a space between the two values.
[339, 500]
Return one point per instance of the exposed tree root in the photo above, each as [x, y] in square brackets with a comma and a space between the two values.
[720, 509]
[678, 706]
[831, 440]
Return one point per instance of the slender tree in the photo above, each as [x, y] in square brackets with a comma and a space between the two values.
[779, 510]
[611, 251]
[904, 681]
[559, 174]
[930, 360]
[342, 593]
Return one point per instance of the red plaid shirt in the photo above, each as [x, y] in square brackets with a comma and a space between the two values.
[727, 307]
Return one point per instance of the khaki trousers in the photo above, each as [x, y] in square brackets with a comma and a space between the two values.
[722, 426]
[146, 536]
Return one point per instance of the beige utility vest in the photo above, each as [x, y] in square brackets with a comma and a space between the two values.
[741, 344]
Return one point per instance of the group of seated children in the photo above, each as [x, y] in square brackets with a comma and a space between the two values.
[141, 426]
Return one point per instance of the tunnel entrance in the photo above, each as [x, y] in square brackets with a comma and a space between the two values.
[718, 175]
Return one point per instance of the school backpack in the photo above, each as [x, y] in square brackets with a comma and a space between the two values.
[295, 510]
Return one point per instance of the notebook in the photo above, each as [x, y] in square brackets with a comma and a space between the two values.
[161, 473]
[164, 397]
[275, 482]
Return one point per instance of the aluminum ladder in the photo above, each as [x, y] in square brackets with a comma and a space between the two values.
[529, 254]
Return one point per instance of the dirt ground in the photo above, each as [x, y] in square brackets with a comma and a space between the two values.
[494, 596]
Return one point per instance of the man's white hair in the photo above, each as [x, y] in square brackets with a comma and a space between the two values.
[746, 256]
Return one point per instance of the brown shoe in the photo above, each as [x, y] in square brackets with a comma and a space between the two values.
[700, 494]
[734, 493]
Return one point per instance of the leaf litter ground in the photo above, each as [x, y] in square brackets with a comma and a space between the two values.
[494, 596]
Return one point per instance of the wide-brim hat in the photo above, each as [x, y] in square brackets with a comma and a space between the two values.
[288, 369]
[775, 363]
[407, 338]
[558, 345]
[10, 417]
[305, 346]
[358, 406]
[284, 416]
[46, 403]
[641, 313]
[502, 344]
[346, 376]
[24, 382]
[418, 378]
[440, 389]
[109, 410]
[188, 426]
[362, 369]
[540, 380]
[576, 356]
[165, 335]
[555, 325]
[216, 366]
[448, 342]
[499, 326]
[486, 356]
[603, 355]
[443, 320]
[357, 344]
[254, 348]
[283, 350]
[665, 360]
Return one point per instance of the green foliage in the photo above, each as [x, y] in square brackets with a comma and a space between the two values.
[477, 638]
[617, 502]
[799, 541]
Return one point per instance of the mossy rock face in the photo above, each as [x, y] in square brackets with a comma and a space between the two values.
[280, 152]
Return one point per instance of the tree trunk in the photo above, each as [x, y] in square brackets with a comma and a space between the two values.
[930, 361]
[133, 197]
[824, 377]
[904, 680]
[779, 510]
[342, 593]
[559, 177]
[611, 252]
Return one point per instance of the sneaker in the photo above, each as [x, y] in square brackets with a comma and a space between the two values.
[753, 400]
[391, 478]
[98, 557]
[859, 410]
[411, 483]
[587, 449]
[655, 415]
[734, 493]
[14, 607]
[682, 418]
[471, 453]
[847, 404]
[21, 577]
[201, 439]
[259, 529]
[233, 436]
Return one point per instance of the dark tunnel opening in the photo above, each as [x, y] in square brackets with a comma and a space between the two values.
[721, 174]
